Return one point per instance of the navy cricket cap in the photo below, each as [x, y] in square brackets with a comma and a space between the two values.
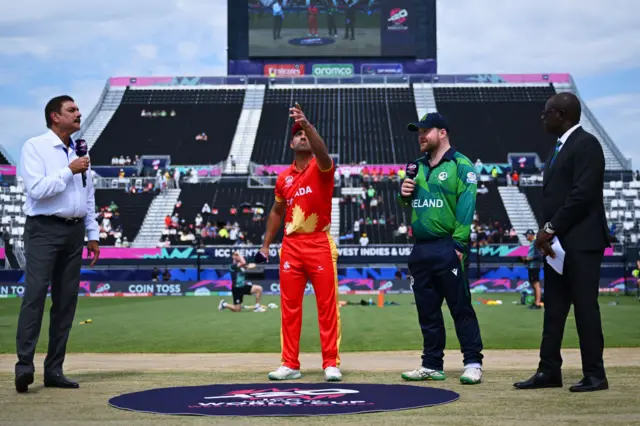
[429, 121]
[529, 232]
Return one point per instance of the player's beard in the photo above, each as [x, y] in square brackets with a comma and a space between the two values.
[430, 146]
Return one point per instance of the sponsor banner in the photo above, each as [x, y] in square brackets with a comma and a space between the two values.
[381, 69]
[332, 70]
[7, 170]
[257, 68]
[354, 170]
[347, 253]
[346, 286]
[284, 70]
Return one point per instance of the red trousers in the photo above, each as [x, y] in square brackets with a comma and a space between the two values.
[309, 257]
[313, 25]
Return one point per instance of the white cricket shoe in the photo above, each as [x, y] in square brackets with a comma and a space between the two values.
[471, 376]
[423, 373]
[332, 374]
[221, 305]
[259, 309]
[284, 373]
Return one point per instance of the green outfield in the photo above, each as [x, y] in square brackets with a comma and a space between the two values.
[193, 324]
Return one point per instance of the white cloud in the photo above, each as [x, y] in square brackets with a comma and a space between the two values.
[620, 116]
[146, 51]
[506, 36]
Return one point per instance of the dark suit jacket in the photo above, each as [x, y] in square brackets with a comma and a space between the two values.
[572, 193]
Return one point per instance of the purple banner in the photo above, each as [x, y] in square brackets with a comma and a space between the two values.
[8, 170]
[257, 66]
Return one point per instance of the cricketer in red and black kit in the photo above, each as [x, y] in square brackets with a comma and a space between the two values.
[303, 198]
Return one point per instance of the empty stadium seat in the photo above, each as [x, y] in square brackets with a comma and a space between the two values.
[166, 122]
[490, 122]
[367, 124]
[132, 208]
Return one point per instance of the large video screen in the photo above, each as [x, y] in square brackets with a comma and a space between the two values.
[329, 28]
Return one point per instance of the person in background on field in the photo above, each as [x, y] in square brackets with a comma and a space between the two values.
[312, 18]
[332, 10]
[532, 260]
[239, 286]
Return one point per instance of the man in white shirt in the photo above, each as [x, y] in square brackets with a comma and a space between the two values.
[59, 206]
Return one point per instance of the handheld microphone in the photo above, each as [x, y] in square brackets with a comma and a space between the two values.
[82, 150]
[412, 170]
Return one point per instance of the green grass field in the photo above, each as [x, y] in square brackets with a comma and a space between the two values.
[193, 324]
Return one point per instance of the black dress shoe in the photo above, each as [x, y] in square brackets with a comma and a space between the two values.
[540, 380]
[23, 380]
[590, 384]
[59, 381]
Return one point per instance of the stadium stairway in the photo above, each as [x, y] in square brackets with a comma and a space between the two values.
[613, 158]
[425, 101]
[97, 121]
[246, 131]
[335, 219]
[519, 211]
[153, 224]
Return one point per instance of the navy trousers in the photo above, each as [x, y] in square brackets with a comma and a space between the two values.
[439, 275]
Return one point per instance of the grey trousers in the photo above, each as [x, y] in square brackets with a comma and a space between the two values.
[53, 252]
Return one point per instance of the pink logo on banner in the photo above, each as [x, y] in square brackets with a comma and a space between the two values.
[8, 170]
[125, 253]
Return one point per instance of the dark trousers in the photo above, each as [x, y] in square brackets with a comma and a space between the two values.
[53, 252]
[579, 285]
[277, 26]
[350, 24]
[438, 275]
[331, 23]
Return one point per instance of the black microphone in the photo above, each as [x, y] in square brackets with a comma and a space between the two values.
[412, 170]
[81, 150]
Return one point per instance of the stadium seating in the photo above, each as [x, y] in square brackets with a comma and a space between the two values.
[367, 124]
[490, 122]
[534, 196]
[224, 197]
[132, 209]
[622, 206]
[380, 221]
[166, 122]
[11, 216]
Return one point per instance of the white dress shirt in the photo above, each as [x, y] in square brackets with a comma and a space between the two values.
[51, 188]
[565, 136]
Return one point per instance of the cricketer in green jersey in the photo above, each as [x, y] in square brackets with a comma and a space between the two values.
[441, 190]
[240, 288]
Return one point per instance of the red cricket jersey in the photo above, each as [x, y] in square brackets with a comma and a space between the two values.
[308, 196]
[313, 10]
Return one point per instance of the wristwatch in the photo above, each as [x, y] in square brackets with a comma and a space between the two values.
[548, 228]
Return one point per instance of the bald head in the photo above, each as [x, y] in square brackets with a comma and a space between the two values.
[570, 104]
[562, 111]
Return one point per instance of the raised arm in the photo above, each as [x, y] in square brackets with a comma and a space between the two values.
[318, 147]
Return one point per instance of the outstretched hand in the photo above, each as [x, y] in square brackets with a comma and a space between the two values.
[298, 115]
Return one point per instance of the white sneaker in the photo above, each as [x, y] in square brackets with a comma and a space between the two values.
[284, 373]
[260, 309]
[332, 374]
[471, 376]
[221, 305]
[423, 373]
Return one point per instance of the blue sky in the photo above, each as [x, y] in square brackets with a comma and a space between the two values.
[69, 47]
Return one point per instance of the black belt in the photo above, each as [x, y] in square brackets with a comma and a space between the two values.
[65, 220]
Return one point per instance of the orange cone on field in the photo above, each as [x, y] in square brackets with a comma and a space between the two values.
[380, 298]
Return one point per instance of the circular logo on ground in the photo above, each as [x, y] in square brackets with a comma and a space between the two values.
[290, 399]
[312, 41]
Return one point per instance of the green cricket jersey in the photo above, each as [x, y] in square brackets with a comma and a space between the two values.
[237, 275]
[444, 199]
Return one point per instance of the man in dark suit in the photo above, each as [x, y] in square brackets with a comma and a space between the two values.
[573, 212]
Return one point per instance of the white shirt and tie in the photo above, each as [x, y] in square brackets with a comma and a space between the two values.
[51, 188]
[565, 136]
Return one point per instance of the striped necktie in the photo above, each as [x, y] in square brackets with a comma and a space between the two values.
[555, 154]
